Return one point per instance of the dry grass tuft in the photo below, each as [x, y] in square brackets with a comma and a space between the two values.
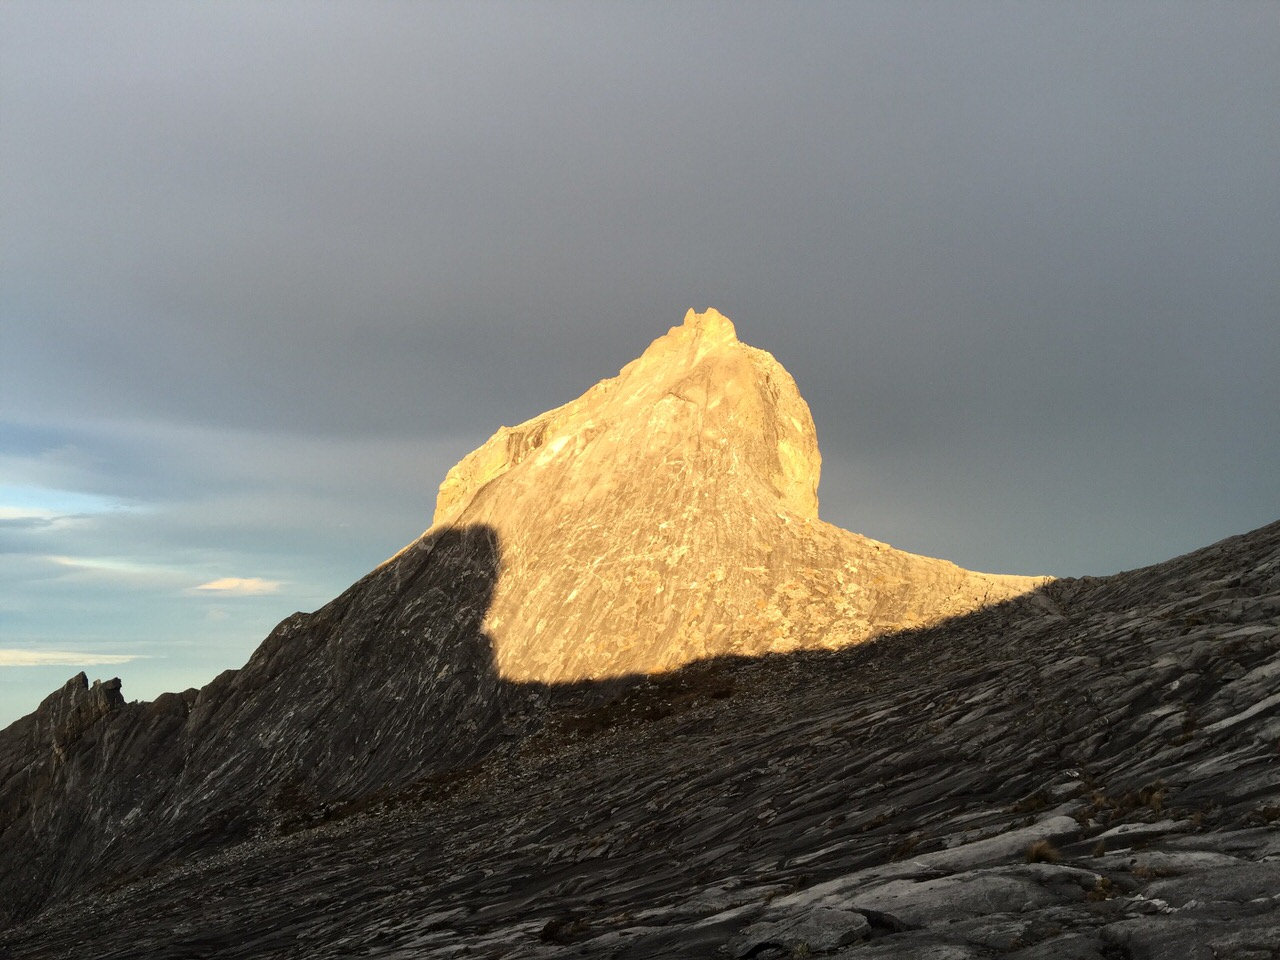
[1042, 851]
[1102, 890]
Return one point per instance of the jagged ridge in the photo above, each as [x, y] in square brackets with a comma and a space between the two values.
[880, 801]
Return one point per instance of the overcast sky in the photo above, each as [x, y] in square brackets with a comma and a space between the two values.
[269, 269]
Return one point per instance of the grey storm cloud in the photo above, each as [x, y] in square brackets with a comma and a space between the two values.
[268, 269]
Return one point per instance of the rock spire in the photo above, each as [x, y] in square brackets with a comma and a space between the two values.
[671, 513]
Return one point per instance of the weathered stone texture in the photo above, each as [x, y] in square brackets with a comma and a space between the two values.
[671, 513]
[1084, 772]
[756, 805]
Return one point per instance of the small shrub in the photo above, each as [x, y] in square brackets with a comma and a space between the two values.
[1154, 873]
[879, 821]
[1036, 801]
[1152, 796]
[1102, 890]
[1110, 809]
[1042, 851]
[906, 847]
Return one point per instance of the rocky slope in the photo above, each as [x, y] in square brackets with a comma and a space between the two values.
[1089, 772]
[667, 516]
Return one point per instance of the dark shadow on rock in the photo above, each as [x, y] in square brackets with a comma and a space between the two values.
[389, 694]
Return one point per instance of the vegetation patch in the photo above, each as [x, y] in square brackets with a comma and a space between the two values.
[1043, 851]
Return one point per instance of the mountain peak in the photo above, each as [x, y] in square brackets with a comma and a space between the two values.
[671, 513]
[697, 399]
[711, 328]
[686, 345]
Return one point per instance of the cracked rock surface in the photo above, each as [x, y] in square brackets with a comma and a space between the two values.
[1090, 771]
[629, 697]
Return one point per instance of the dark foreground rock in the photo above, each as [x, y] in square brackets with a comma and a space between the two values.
[1091, 771]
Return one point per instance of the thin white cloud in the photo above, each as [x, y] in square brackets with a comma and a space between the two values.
[44, 658]
[49, 503]
[36, 519]
[112, 565]
[121, 569]
[26, 513]
[241, 586]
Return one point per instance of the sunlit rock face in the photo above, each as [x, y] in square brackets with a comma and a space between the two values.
[671, 513]
[667, 515]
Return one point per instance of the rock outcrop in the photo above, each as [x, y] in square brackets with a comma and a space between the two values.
[671, 513]
[666, 516]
